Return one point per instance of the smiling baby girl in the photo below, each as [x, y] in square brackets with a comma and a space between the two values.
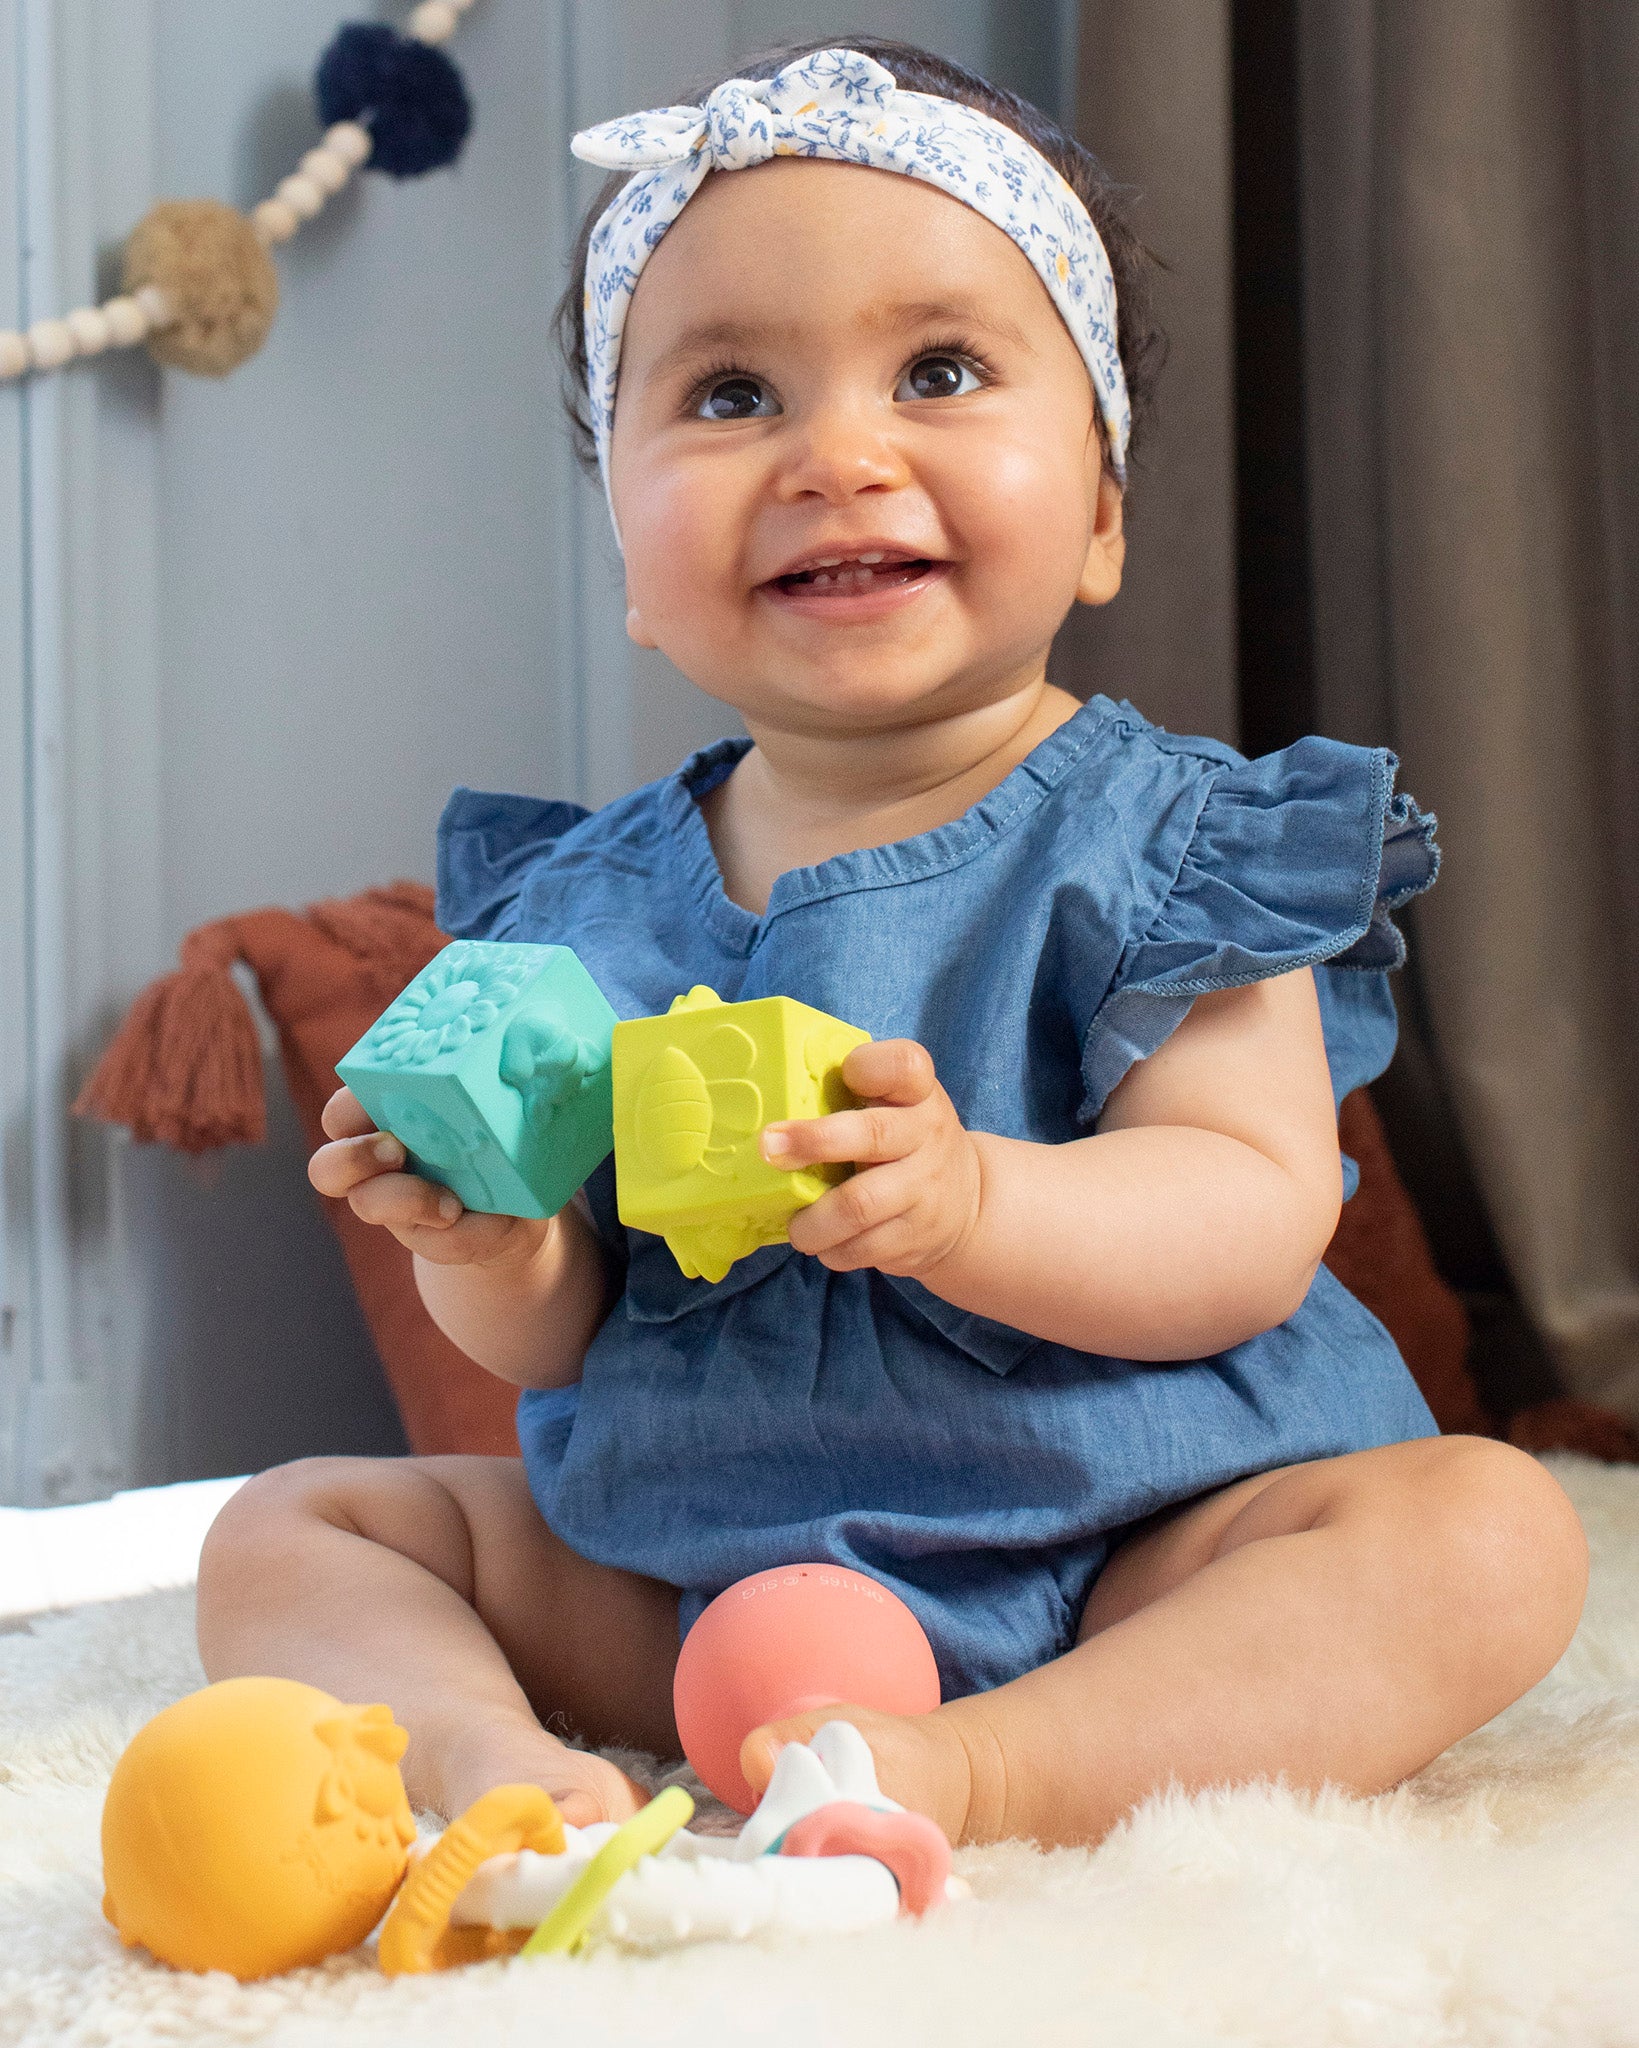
[1060, 1362]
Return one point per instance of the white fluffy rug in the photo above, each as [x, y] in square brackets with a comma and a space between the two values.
[1494, 1900]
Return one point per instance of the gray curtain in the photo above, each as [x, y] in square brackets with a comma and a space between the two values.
[1470, 198]
[1153, 103]
[1471, 188]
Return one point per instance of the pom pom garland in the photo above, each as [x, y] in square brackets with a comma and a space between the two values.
[435, 21]
[219, 283]
[50, 343]
[199, 286]
[90, 329]
[275, 221]
[407, 94]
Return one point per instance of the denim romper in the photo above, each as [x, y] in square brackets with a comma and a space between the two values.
[1037, 946]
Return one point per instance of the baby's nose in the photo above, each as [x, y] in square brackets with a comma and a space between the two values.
[840, 452]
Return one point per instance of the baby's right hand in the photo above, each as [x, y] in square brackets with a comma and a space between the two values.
[366, 1167]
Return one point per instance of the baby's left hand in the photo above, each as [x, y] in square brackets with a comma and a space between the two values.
[914, 1197]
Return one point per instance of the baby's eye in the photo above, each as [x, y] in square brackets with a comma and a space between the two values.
[737, 398]
[938, 376]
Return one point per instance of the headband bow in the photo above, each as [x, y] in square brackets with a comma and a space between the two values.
[807, 109]
[844, 106]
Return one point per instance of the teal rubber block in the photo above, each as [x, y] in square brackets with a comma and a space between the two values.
[492, 1069]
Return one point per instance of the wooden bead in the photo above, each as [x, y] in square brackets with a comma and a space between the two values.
[327, 170]
[50, 344]
[89, 327]
[301, 194]
[274, 221]
[155, 307]
[434, 21]
[350, 141]
[14, 355]
[127, 322]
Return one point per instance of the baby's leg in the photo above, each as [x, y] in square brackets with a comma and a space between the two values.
[1339, 1622]
[433, 1584]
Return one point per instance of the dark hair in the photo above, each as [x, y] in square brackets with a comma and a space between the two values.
[1140, 340]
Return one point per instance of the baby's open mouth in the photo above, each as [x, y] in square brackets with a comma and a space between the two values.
[871, 571]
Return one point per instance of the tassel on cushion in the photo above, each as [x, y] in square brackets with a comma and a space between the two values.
[185, 1068]
[390, 930]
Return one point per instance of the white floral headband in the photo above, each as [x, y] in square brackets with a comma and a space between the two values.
[843, 105]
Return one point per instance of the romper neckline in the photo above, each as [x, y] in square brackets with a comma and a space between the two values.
[936, 851]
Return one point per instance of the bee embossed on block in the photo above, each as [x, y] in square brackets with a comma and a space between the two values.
[690, 1115]
[692, 1090]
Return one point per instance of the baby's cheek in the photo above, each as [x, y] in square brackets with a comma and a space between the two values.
[680, 533]
[1024, 518]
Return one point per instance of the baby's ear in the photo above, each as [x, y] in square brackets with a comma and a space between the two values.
[1106, 546]
[636, 630]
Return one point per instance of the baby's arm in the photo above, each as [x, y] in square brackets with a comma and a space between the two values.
[1193, 1218]
[520, 1296]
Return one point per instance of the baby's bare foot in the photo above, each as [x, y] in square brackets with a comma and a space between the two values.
[922, 1760]
[455, 1769]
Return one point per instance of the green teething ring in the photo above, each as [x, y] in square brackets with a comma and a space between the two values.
[564, 1928]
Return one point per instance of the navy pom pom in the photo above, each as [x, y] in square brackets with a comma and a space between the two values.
[407, 94]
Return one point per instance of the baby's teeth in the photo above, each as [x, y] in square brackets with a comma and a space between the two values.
[871, 559]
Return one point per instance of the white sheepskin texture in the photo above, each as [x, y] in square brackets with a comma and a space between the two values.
[1493, 1900]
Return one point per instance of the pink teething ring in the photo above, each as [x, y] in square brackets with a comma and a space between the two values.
[913, 1847]
[787, 1641]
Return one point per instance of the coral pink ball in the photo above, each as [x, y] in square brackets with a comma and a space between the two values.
[785, 1641]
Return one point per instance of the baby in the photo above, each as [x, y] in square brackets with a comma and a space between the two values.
[1059, 1362]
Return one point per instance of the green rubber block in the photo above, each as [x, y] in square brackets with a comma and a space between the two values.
[492, 1069]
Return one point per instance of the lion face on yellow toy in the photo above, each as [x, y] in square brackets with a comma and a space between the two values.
[255, 1826]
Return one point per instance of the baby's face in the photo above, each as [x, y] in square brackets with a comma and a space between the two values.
[855, 460]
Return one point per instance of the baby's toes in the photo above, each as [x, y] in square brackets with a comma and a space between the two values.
[593, 1789]
[920, 1760]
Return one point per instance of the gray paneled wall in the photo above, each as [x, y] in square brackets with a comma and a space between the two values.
[251, 632]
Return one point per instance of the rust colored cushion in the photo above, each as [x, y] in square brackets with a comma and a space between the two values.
[324, 980]
[1381, 1255]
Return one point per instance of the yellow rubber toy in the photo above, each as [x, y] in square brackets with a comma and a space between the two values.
[564, 1928]
[255, 1826]
[417, 1935]
[692, 1090]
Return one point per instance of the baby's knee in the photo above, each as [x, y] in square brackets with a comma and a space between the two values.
[257, 1526]
[266, 1531]
[1510, 1546]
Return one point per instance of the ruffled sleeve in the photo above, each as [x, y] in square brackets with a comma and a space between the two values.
[486, 847]
[1298, 859]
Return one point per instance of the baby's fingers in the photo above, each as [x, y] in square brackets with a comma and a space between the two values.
[894, 1070]
[344, 1116]
[862, 1204]
[404, 1201]
[339, 1167]
[864, 1136]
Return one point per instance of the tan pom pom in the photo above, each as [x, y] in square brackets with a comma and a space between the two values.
[326, 169]
[50, 344]
[351, 142]
[219, 281]
[89, 327]
[274, 221]
[432, 22]
[14, 355]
